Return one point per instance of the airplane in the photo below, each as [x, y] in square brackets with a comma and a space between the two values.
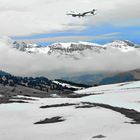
[82, 14]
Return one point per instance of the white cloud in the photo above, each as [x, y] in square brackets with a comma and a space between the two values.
[44, 16]
[20, 63]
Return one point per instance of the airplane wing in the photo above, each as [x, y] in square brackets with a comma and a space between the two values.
[74, 15]
[92, 12]
[85, 13]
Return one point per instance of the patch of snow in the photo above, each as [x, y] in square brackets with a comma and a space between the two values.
[42, 50]
[67, 85]
[89, 43]
[1, 95]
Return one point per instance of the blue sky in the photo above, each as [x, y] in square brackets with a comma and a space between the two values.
[131, 33]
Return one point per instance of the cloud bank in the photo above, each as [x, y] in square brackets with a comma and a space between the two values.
[21, 18]
[21, 63]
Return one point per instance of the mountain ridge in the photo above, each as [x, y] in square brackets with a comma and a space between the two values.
[105, 78]
[72, 47]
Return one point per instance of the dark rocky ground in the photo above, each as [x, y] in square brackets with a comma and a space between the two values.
[58, 105]
[99, 136]
[9, 94]
[50, 120]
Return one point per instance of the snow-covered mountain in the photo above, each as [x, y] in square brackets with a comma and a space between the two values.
[122, 45]
[30, 48]
[75, 49]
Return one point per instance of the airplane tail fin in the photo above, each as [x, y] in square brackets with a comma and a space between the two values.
[93, 11]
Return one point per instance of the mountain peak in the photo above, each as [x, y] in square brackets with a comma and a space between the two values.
[123, 42]
[122, 45]
[73, 48]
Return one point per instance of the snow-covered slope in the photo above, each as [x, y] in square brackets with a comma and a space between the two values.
[112, 87]
[121, 95]
[85, 123]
